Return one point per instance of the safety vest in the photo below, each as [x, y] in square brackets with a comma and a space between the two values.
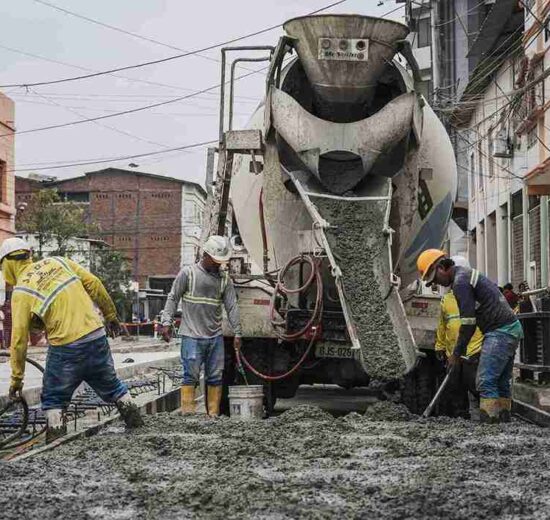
[191, 296]
[44, 281]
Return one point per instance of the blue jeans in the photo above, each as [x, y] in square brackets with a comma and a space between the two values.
[68, 366]
[496, 364]
[198, 351]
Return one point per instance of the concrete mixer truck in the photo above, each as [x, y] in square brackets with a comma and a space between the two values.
[342, 177]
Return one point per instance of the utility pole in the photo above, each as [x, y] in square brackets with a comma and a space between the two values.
[434, 20]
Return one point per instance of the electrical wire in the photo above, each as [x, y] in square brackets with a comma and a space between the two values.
[86, 69]
[115, 159]
[161, 60]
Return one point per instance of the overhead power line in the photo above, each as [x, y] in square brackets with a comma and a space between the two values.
[161, 60]
[122, 113]
[116, 159]
[86, 69]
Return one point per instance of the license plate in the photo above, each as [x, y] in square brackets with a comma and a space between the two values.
[334, 351]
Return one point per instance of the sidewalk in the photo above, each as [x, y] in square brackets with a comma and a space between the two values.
[144, 354]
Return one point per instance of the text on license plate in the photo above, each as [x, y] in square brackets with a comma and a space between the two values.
[334, 351]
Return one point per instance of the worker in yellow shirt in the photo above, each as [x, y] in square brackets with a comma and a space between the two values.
[464, 378]
[58, 295]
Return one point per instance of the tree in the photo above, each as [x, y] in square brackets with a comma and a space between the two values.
[52, 221]
[110, 266]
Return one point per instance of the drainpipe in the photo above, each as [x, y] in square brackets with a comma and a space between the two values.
[526, 237]
[544, 240]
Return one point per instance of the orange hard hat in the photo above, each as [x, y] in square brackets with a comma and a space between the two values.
[427, 260]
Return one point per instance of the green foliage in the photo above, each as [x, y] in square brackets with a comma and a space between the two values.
[53, 222]
[110, 266]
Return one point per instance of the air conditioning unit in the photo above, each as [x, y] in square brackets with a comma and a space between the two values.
[502, 145]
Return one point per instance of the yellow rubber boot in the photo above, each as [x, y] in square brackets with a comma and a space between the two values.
[505, 412]
[489, 410]
[214, 399]
[188, 404]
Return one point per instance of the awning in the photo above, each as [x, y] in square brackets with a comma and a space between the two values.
[537, 179]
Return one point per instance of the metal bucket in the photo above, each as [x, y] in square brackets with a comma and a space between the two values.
[246, 402]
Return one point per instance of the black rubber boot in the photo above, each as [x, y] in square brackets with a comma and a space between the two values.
[130, 414]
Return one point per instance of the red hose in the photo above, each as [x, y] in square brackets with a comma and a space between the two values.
[240, 357]
[281, 289]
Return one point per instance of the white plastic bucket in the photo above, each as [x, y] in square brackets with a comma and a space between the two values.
[246, 402]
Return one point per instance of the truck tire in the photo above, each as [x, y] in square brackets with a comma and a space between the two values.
[419, 386]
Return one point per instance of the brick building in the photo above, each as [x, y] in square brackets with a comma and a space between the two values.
[154, 220]
[7, 199]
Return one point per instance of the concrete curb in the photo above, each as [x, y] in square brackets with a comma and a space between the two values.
[32, 394]
[165, 403]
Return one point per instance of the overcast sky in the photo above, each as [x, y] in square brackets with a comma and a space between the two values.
[32, 28]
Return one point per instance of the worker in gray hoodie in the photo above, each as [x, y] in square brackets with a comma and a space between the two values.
[203, 289]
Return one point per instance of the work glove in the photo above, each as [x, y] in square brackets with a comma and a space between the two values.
[113, 328]
[15, 390]
[453, 361]
[441, 356]
[166, 333]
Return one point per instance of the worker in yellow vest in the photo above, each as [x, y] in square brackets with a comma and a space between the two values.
[59, 295]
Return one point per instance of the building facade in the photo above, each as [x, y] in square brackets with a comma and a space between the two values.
[450, 39]
[507, 137]
[153, 220]
[7, 164]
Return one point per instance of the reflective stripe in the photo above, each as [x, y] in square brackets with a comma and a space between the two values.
[198, 299]
[474, 278]
[64, 264]
[49, 300]
[190, 296]
[451, 317]
[32, 292]
[468, 321]
[191, 283]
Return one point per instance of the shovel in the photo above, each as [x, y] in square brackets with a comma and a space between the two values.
[430, 407]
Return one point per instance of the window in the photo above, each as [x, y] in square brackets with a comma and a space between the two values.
[102, 196]
[124, 195]
[188, 254]
[159, 238]
[2, 181]
[161, 195]
[75, 196]
[532, 137]
[424, 35]
[192, 212]
[472, 166]
[480, 168]
[490, 152]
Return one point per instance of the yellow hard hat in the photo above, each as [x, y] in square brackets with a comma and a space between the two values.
[426, 261]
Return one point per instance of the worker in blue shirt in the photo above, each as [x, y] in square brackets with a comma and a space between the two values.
[481, 304]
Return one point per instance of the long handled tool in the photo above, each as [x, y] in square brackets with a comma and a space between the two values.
[440, 390]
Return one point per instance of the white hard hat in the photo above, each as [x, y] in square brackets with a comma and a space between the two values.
[460, 261]
[10, 245]
[218, 248]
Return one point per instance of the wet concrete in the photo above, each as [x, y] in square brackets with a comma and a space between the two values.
[359, 245]
[302, 464]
